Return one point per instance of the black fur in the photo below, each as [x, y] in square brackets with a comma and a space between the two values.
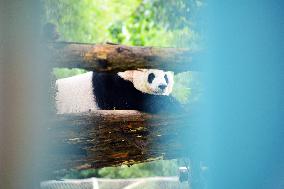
[113, 92]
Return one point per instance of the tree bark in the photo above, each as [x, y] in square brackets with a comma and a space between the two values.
[108, 138]
[114, 58]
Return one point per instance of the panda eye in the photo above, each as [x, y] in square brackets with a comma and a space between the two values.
[166, 78]
[151, 77]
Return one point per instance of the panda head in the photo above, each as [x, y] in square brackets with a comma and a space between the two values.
[151, 81]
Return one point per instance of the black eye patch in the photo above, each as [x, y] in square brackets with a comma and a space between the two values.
[166, 78]
[151, 77]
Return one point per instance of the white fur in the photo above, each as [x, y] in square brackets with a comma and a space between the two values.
[139, 78]
[75, 94]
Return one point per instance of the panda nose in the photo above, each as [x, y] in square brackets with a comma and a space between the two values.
[162, 87]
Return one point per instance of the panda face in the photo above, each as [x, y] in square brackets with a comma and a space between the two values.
[151, 81]
[158, 82]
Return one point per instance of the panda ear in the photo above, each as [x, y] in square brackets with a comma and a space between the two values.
[126, 75]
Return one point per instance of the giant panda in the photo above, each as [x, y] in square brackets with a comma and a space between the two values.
[146, 90]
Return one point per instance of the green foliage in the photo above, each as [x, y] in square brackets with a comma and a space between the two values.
[187, 88]
[87, 20]
[132, 22]
[155, 168]
[82, 174]
[65, 72]
[152, 25]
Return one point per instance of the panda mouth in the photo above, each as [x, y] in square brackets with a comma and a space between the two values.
[160, 91]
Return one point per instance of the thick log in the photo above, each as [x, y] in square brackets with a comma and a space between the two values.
[113, 58]
[109, 138]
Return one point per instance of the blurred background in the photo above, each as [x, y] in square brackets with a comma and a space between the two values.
[240, 133]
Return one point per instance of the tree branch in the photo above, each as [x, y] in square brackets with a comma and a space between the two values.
[108, 138]
[115, 58]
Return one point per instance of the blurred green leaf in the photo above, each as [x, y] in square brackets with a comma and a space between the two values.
[155, 168]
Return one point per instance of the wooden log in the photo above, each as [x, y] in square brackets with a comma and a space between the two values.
[109, 138]
[114, 58]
